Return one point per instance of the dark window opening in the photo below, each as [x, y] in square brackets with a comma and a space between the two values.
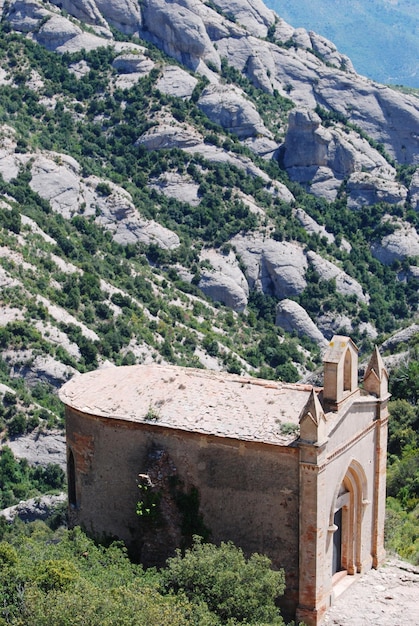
[71, 480]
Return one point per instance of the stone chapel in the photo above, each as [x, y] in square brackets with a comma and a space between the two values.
[289, 470]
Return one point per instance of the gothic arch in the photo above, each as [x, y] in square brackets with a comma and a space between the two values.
[346, 518]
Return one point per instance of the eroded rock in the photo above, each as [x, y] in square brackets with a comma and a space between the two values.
[399, 245]
[225, 282]
[227, 107]
[293, 318]
[274, 267]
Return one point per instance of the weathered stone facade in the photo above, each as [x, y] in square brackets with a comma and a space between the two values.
[221, 452]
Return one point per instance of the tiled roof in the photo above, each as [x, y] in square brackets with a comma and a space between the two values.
[195, 400]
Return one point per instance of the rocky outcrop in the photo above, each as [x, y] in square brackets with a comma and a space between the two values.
[311, 226]
[40, 508]
[41, 448]
[34, 370]
[331, 324]
[274, 267]
[176, 82]
[179, 30]
[130, 63]
[293, 318]
[399, 338]
[199, 37]
[118, 214]
[224, 282]
[124, 15]
[227, 107]
[366, 189]
[399, 245]
[167, 133]
[252, 14]
[345, 284]
[57, 178]
[414, 190]
[178, 186]
[323, 159]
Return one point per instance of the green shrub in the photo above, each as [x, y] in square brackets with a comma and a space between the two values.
[233, 587]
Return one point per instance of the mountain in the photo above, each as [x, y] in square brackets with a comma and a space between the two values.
[193, 182]
[380, 36]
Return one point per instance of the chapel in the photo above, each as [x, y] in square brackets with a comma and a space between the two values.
[156, 453]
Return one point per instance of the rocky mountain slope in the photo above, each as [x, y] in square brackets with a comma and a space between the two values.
[380, 36]
[196, 182]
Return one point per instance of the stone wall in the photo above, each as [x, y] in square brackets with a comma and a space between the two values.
[248, 491]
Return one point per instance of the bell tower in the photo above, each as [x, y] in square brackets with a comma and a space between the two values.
[340, 371]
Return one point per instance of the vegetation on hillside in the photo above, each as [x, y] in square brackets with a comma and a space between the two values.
[62, 578]
[402, 523]
[128, 303]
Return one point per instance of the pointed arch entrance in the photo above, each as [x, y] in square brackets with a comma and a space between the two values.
[346, 521]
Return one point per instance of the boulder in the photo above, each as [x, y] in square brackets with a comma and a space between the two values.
[401, 337]
[41, 448]
[178, 29]
[225, 282]
[274, 267]
[293, 318]
[228, 107]
[40, 508]
[345, 284]
[178, 186]
[169, 133]
[56, 32]
[130, 63]
[399, 245]
[262, 146]
[176, 82]
[334, 323]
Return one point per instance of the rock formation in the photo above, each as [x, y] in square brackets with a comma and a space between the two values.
[293, 318]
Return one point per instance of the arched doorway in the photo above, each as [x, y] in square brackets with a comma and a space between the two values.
[346, 524]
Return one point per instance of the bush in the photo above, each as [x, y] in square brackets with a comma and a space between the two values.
[234, 588]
